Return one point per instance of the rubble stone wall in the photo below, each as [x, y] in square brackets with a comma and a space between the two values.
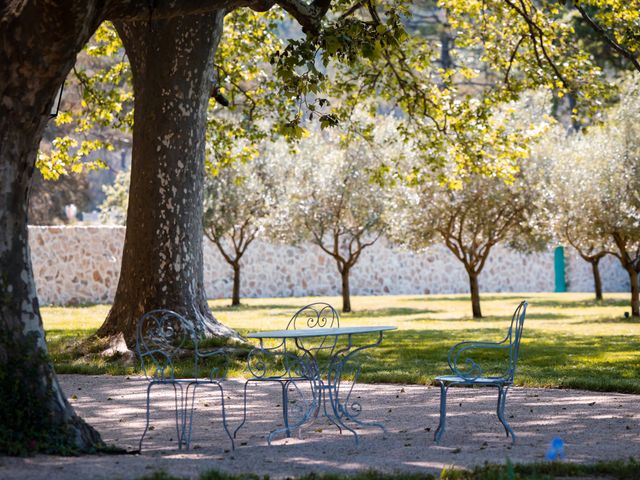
[81, 265]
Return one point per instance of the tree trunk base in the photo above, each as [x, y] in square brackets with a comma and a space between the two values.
[119, 330]
[35, 416]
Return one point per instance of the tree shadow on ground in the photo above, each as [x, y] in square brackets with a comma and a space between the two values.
[243, 307]
[467, 298]
[387, 312]
[607, 302]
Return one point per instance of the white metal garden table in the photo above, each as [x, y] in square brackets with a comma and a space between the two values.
[321, 356]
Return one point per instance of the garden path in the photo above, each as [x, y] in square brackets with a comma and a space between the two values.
[595, 426]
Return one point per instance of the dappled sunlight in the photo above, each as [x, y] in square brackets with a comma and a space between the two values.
[587, 421]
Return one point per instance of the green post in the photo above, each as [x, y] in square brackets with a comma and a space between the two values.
[561, 284]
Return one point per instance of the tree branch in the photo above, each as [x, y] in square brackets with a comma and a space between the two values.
[512, 59]
[533, 29]
[308, 15]
[607, 38]
[131, 10]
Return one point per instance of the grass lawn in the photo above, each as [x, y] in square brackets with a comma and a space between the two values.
[569, 340]
[536, 471]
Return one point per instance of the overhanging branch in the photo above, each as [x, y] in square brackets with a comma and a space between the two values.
[607, 38]
[131, 10]
[308, 15]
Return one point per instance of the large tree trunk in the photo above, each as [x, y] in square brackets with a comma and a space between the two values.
[597, 281]
[235, 296]
[38, 45]
[346, 292]
[172, 65]
[475, 294]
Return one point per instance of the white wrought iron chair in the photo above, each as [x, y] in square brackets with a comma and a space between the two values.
[162, 337]
[467, 372]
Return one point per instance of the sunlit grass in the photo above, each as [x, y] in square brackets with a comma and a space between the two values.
[569, 340]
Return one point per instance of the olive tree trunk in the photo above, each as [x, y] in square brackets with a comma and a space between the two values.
[38, 45]
[635, 292]
[172, 65]
[475, 294]
[597, 281]
[346, 291]
[235, 295]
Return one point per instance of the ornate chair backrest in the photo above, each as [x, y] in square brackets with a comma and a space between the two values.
[161, 336]
[514, 335]
[315, 315]
[465, 358]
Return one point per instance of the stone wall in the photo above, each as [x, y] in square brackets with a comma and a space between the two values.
[81, 265]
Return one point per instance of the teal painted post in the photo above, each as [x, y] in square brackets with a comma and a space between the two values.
[561, 284]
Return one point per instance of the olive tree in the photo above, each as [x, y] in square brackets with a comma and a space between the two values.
[469, 220]
[329, 197]
[478, 211]
[592, 184]
[571, 198]
[619, 141]
[237, 202]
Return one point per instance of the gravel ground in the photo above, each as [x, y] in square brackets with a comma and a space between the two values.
[595, 426]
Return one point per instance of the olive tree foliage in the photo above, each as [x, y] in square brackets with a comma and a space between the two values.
[570, 197]
[473, 216]
[329, 198]
[113, 208]
[594, 180]
[237, 202]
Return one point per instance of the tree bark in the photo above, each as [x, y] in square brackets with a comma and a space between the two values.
[172, 66]
[597, 282]
[475, 294]
[635, 292]
[630, 265]
[235, 296]
[38, 45]
[346, 293]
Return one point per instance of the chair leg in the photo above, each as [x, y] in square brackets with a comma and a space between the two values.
[502, 400]
[285, 406]
[443, 412]
[180, 412]
[187, 423]
[224, 417]
[146, 427]
[244, 415]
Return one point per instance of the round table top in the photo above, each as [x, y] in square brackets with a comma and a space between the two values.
[319, 332]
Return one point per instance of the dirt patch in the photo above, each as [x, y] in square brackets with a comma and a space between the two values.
[595, 426]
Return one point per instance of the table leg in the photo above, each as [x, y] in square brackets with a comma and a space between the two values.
[346, 409]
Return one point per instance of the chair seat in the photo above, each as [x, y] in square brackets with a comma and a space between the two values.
[451, 379]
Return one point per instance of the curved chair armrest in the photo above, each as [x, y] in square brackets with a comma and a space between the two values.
[461, 352]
